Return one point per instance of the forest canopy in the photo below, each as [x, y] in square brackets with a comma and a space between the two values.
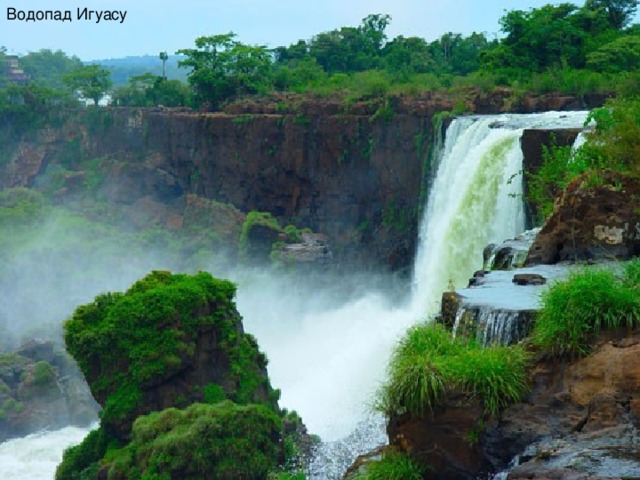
[563, 47]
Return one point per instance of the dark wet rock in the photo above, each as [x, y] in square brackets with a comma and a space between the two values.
[529, 279]
[511, 253]
[450, 304]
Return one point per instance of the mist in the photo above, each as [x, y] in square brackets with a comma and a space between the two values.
[327, 336]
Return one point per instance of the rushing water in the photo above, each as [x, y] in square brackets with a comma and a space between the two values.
[328, 359]
[35, 457]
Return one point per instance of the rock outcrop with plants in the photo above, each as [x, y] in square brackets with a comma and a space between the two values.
[184, 391]
[42, 388]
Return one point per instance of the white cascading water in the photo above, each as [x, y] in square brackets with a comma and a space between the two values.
[476, 199]
[329, 360]
[36, 456]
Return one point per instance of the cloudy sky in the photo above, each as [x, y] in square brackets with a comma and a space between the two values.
[152, 26]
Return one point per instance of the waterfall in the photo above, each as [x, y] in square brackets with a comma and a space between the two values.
[476, 199]
[329, 358]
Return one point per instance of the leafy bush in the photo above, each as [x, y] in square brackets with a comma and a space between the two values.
[254, 219]
[428, 362]
[43, 373]
[222, 441]
[81, 462]
[576, 310]
[392, 466]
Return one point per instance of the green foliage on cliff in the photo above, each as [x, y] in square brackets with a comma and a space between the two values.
[554, 48]
[612, 145]
[576, 310]
[428, 363]
[223, 441]
[140, 345]
[256, 219]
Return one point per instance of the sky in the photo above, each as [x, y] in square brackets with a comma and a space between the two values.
[152, 26]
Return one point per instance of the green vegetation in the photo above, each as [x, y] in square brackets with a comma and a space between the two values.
[91, 81]
[392, 466]
[149, 90]
[128, 344]
[263, 220]
[613, 145]
[124, 341]
[43, 373]
[554, 48]
[223, 441]
[222, 67]
[555, 173]
[47, 68]
[575, 311]
[428, 363]
[82, 462]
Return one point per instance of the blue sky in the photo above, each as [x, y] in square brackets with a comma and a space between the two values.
[152, 26]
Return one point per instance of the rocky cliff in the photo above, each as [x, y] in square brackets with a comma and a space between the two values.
[356, 173]
[580, 420]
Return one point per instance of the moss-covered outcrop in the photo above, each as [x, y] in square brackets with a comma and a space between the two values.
[173, 341]
[41, 387]
[162, 344]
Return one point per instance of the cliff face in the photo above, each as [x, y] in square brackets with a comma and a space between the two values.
[355, 173]
[580, 420]
[355, 179]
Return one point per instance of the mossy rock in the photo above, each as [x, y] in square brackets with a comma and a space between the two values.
[160, 343]
[222, 441]
[260, 232]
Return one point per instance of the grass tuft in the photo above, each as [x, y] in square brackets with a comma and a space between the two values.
[428, 362]
[576, 310]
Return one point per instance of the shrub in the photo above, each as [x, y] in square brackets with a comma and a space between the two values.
[43, 373]
[576, 310]
[222, 441]
[428, 362]
[392, 466]
[81, 462]
[255, 219]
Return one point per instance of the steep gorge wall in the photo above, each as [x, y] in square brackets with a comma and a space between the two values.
[357, 177]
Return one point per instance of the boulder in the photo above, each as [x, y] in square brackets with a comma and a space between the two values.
[446, 441]
[591, 222]
[313, 249]
[42, 388]
[524, 279]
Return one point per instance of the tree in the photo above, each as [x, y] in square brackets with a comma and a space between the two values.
[90, 81]
[46, 67]
[549, 36]
[617, 56]
[619, 12]
[406, 56]
[223, 67]
[149, 90]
